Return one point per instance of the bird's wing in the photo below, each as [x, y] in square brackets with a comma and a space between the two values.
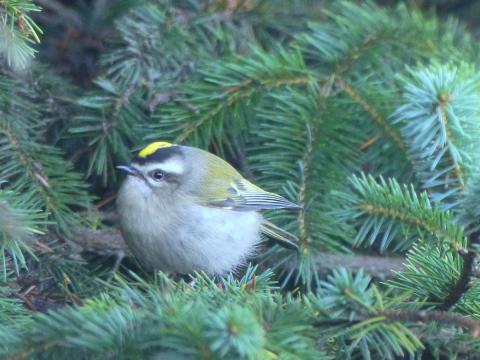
[243, 195]
[282, 237]
[228, 189]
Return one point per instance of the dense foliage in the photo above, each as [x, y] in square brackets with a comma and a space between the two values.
[366, 115]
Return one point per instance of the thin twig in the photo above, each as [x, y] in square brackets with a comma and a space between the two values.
[27, 302]
[422, 316]
[304, 236]
[464, 282]
[442, 108]
[443, 317]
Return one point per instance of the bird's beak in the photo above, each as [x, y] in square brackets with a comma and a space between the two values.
[130, 170]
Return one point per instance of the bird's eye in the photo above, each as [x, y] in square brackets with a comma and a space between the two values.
[157, 175]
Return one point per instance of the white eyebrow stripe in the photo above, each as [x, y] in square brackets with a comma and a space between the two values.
[172, 166]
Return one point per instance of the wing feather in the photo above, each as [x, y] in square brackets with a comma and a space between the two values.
[250, 197]
[282, 237]
[227, 189]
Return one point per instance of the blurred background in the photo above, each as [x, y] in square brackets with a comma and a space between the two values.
[77, 32]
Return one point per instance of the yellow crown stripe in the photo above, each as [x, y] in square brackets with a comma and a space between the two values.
[151, 148]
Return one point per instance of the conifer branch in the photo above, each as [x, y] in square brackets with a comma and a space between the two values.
[378, 267]
[34, 170]
[422, 316]
[439, 124]
[427, 316]
[18, 32]
[384, 209]
[39, 171]
[464, 281]
[302, 105]
[381, 122]
[26, 352]
[304, 237]
[20, 222]
[457, 171]
[410, 218]
[235, 93]
[110, 124]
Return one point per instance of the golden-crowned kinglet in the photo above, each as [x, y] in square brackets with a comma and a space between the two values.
[183, 209]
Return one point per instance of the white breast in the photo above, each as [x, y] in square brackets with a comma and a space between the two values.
[185, 237]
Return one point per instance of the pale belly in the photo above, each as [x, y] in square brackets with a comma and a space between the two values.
[191, 238]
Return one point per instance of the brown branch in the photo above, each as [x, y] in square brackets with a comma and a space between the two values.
[443, 317]
[464, 282]
[109, 242]
[422, 316]
[380, 267]
[106, 242]
[366, 144]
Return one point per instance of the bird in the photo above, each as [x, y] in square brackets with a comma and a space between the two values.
[184, 210]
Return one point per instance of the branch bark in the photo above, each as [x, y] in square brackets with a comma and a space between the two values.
[105, 242]
[406, 316]
[443, 317]
[464, 282]
[109, 242]
[380, 267]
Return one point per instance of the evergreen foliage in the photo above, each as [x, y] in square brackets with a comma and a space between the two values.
[18, 32]
[20, 221]
[365, 115]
